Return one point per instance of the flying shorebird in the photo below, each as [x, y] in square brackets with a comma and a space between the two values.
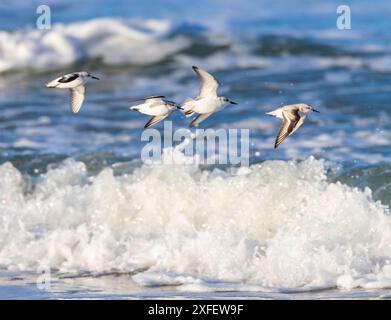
[156, 107]
[293, 116]
[75, 83]
[207, 101]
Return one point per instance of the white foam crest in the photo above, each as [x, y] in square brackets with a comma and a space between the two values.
[278, 224]
[134, 42]
[380, 64]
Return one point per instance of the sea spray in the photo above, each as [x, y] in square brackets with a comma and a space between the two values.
[278, 224]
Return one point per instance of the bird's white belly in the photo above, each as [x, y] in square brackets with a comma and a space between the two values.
[158, 110]
[206, 105]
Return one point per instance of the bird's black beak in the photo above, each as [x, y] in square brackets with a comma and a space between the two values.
[232, 102]
[315, 110]
[93, 77]
[179, 107]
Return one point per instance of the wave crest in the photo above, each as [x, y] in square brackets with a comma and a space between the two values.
[114, 41]
[278, 224]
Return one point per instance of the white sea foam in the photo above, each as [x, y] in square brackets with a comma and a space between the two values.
[143, 42]
[134, 42]
[278, 224]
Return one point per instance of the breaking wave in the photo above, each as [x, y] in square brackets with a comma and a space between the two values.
[142, 42]
[277, 224]
[113, 41]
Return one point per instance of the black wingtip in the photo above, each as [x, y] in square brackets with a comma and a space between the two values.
[154, 97]
[143, 99]
[195, 68]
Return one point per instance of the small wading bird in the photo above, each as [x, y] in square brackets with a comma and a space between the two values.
[75, 83]
[293, 117]
[156, 107]
[207, 101]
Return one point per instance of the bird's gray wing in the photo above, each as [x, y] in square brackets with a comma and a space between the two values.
[289, 122]
[160, 98]
[77, 97]
[209, 84]
[155, 119]
[299, 123]
[201, 117]
[155, 102]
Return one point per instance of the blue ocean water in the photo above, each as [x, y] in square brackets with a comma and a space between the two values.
[68, 183]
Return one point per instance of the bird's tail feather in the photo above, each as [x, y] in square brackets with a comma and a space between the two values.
[187, 107]
[52, 84]
[272, 113]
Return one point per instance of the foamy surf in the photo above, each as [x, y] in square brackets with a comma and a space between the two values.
[144, 42]
[280, 224]
[113, 41]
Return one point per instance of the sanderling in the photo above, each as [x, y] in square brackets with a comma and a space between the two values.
[293, 117]
[156, 107]
[207, 101]
[75, 83]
